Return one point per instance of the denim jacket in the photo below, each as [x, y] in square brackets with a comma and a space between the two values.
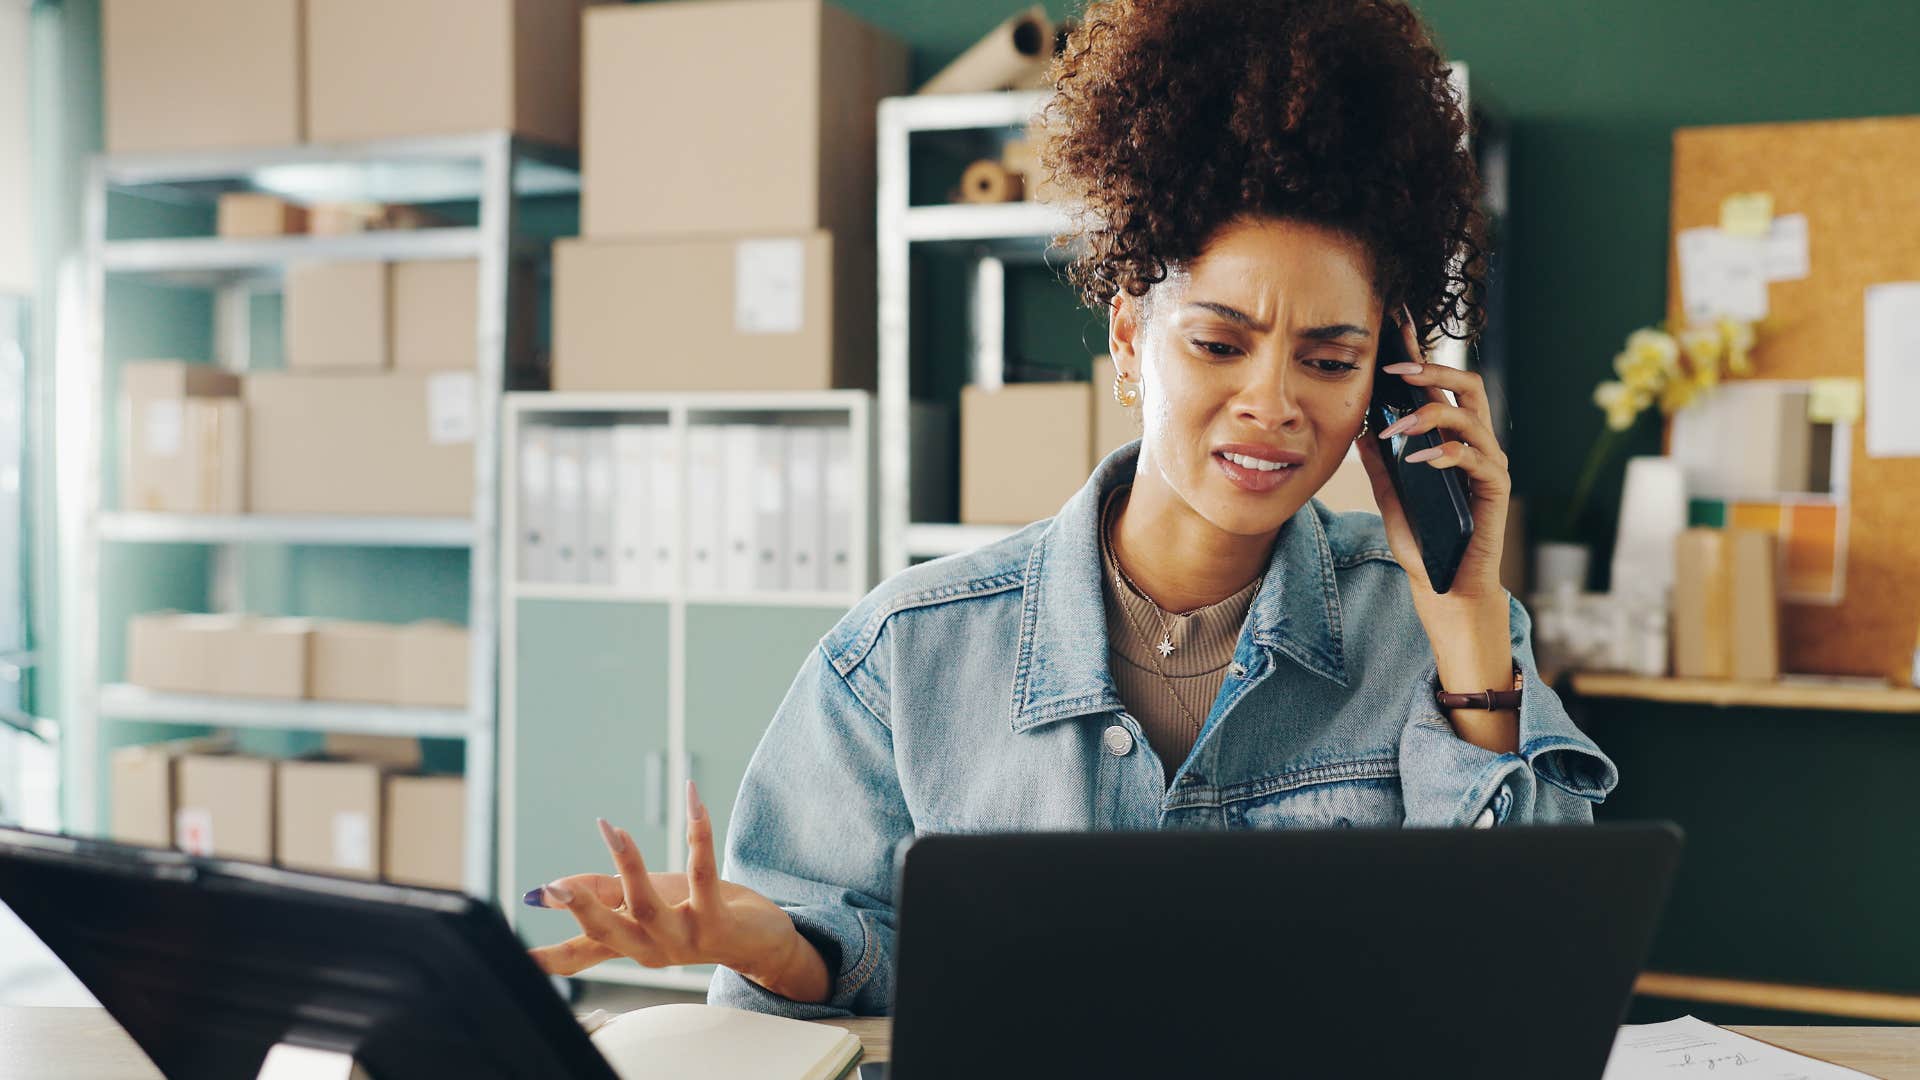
[971, 694]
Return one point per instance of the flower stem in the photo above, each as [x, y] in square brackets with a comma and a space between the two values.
[1596, 457]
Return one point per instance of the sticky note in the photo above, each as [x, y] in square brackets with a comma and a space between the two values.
[1835, 401]
[1747, 214]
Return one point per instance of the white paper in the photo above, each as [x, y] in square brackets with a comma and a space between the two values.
[164, 422]
[1787, 248]
[1893, 369]
[1691, 1047]
[450, 407]
[352, 841]
[1722, 274]
[769, 286]
[193, 830]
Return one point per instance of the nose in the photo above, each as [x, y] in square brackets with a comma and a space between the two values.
[1268, 401]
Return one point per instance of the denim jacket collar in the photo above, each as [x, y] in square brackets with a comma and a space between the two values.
[1062, 665]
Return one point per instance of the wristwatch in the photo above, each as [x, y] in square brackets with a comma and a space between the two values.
[1484, 699]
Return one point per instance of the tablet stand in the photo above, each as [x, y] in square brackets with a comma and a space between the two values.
[285, 1061]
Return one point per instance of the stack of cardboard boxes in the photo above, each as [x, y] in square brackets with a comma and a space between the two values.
[421, 664]
[375, 413]
[361, 810]
[728, 223]
[203, 74]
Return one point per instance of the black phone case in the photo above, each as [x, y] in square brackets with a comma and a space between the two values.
[1435, 500]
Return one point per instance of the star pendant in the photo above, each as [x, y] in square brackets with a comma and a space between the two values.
[1166, 645]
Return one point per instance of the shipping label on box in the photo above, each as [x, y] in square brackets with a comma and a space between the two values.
[769, 286]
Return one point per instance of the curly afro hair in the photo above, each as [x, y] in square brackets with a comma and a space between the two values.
[1170, 118]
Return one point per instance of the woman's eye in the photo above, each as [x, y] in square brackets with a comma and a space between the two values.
[1214, 348]
[1329, 366]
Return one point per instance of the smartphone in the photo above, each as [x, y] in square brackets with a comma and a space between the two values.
[1435, 500]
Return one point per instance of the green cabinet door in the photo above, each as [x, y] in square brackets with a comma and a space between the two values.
[590, 740]
[740, 662]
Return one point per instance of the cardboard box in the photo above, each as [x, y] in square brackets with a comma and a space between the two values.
[329, 816]
[338, 315]
[202, 74]
[239, 655]
[1025, 448]
[356, 661]
[433, 665]
[1753, 610]
[224, 806]
[143, 788]
[183, 438]
[256, 213]
[790, 149]
[391, 751]
[380, 69]
[436, 315]
[714, 313]
[426, 831]
[390, 443]
[1702, 600]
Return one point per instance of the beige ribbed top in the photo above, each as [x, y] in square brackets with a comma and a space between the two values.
[1169, 695]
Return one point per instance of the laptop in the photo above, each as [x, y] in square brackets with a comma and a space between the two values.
[1484, 953]
[209, 964]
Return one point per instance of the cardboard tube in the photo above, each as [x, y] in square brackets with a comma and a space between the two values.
[1010, 55]
[988, 181]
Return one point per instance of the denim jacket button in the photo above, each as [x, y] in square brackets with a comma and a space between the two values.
[1118, 741]
[1236, 669]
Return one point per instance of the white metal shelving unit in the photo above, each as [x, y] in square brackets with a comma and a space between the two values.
[990, 235]
[677, 411]
[491, 171]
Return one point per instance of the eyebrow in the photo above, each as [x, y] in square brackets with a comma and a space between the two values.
[1317, 333]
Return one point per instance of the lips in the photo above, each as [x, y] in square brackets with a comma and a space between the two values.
[1252, 477]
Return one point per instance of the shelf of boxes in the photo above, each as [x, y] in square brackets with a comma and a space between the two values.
[147, 527]
[636, 728]
[492, 171]
[121, 701]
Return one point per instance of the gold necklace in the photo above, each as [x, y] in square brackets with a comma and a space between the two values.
[1166, 644]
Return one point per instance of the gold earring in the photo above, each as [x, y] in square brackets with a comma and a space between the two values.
[1366, 420]
[1124, 392]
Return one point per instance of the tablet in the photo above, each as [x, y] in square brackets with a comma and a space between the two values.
[209, 964]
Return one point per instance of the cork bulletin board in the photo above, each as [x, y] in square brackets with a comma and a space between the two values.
[1858, 183]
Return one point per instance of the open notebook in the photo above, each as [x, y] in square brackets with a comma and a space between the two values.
[710, 1042]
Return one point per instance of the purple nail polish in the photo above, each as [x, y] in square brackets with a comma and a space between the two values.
[532, 899]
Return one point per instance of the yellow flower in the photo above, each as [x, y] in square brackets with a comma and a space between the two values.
[1678, 394]
[1655, 348]
[1739, 341]
[1702, 344]
[1621, 402]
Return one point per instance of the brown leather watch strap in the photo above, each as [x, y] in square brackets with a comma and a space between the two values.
[1484, 699]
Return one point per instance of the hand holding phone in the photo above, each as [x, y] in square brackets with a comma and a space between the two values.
[1436, 502]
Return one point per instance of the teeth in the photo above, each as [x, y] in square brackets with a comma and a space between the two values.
[1246, 462]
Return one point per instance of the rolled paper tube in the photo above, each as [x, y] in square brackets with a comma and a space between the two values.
[1010, 55]
[988, 181]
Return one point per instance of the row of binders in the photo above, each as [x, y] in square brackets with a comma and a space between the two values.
[767, 508]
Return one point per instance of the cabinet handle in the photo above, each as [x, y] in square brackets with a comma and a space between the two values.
[653, 793]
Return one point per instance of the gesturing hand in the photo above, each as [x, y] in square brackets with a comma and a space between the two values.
[661, 920]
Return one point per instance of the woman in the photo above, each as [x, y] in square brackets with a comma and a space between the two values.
[1269, 189]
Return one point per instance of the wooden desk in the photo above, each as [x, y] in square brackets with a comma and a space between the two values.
[50, 1043]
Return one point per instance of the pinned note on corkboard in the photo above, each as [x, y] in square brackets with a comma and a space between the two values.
[1855, 182]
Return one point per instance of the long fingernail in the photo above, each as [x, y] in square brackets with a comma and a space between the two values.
[1405, 367]
[611, 836]
[1428, 454]
[696, 810]
[560, 892]
[1397, 426]
[532, 899]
